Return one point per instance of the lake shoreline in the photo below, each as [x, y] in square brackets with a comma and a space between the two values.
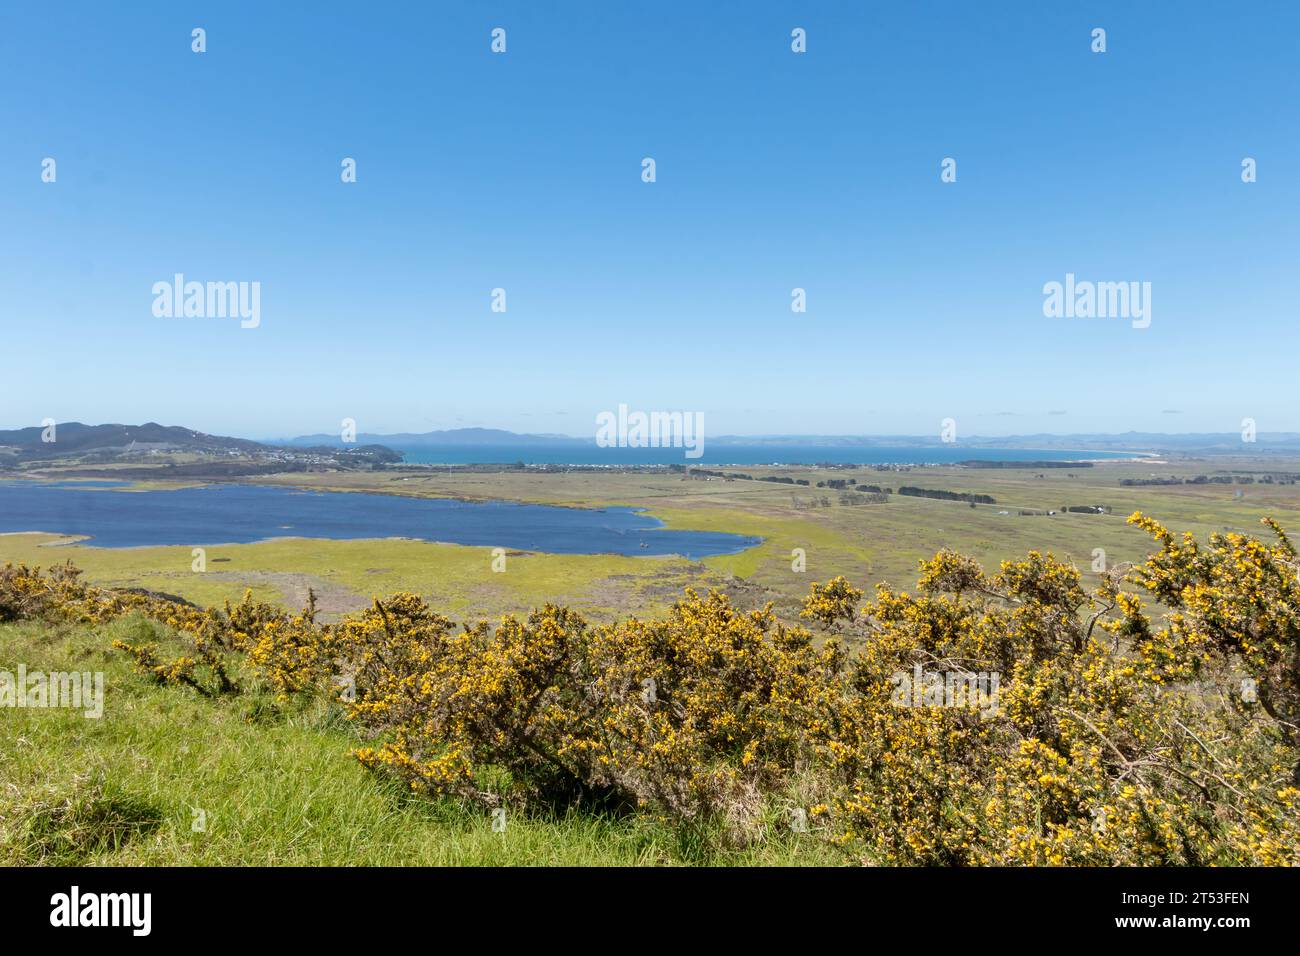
[236, 513]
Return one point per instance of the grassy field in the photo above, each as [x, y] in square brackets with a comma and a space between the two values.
[274, 787]
[166, 777]
[867, 543]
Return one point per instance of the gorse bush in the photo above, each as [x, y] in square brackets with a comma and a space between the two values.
[26, 594]
[1004, 718]
[697, 715]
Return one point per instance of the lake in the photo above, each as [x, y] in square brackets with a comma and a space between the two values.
[759, 454]
[238, 514]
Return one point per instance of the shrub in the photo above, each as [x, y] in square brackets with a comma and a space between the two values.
[25, 593]
[832, 603]
[694, 717]
[215, 642]
[1115, 741]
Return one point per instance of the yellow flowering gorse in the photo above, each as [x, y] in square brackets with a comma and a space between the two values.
[1116, 738]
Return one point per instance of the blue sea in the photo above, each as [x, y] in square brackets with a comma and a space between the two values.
[591, 454]
[233, 514]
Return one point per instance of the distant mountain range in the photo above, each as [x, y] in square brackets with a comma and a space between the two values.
[1128, 441]
[79, 438]
[452, 438]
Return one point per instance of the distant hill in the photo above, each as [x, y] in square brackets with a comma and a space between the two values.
[152, 449]
[450, 438]
[81, 439]
[1206, 443]
[78, 438]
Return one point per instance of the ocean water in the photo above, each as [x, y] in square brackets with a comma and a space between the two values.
[233, 514]
[591, 454]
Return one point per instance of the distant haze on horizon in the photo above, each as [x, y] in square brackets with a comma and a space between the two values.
[365, 433]
[798, 436]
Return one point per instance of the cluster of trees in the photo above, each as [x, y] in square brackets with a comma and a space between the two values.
[1026, 464]
[863, 498]
[1212, 480]
[800, 504]
[973, 498]
[852, 485]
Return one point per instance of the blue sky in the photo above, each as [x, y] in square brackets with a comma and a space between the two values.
[774, 170]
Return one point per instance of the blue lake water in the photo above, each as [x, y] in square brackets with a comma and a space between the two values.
[591, 454]
[237, 514]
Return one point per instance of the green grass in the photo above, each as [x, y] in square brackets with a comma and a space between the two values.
[275, 789]
[346, 575]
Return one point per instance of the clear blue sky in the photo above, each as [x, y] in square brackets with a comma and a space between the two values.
[775, 170]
